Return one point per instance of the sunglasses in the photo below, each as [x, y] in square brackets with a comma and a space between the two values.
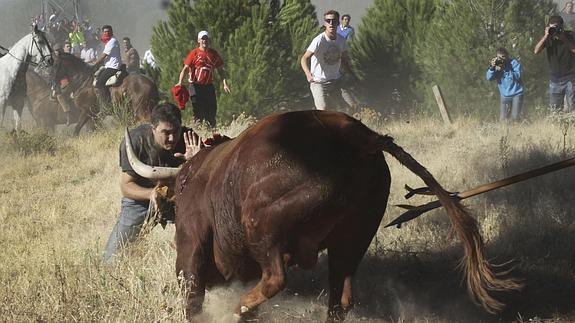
[332, 22]
[205, 38]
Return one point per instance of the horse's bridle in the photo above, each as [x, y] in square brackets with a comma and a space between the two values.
[43, 61]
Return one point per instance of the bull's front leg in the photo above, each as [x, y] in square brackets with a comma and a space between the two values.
[189, 263]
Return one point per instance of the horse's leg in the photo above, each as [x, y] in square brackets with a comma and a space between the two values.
[17, 118]
[3, 114]
[84, 116]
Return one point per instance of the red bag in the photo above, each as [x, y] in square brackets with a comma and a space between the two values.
[181, 96]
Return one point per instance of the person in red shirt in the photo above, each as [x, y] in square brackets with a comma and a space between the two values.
[200, 65]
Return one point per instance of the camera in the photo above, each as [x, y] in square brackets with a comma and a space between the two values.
[555, 30]
[499, 61]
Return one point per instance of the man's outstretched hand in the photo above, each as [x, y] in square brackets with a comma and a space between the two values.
[193, 145]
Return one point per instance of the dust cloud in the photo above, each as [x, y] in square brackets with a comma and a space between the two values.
[129, 18]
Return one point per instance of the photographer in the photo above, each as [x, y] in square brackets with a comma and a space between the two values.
[560, 46]
[507, 71]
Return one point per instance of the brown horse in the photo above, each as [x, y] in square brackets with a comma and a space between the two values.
[46, 112]
[33, 89]
[142, 92]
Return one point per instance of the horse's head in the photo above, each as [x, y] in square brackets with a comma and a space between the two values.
[67, 65]
[39, 51]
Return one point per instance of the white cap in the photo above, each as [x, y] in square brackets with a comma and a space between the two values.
[52, 16]
[202, 34]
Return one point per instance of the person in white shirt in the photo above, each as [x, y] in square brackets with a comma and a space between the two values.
[149, 58]
[112, 59]
[88, 53]
[327, 53]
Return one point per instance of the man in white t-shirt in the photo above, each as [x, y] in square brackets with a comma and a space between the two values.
[88, 54]
[327, 53]
[112, 59]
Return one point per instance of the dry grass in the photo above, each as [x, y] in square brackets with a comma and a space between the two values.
[57, 209]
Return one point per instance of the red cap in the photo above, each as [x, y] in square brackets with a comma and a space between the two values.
[181, 96]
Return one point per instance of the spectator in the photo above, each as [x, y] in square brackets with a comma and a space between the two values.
[67, 48]
[76, 38]
[199, 65]
[162, 142]
[560, 47]
[345, 30]
[132, 58]
[327, 52]
[149, 58]
[508, 72]
[88, 53]
[568, 15]
[88, 31]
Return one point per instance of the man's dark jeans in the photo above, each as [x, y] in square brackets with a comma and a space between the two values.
[560, 91]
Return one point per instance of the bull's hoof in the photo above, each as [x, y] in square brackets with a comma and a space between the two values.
[336, 314]
[245, 314]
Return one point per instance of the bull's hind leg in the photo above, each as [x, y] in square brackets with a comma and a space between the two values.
[347, 245]
[273, 280]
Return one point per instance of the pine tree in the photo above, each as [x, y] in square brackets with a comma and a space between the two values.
[298, 20]
[464, 36]
[172, 40]
[382, 53]
[256, 65]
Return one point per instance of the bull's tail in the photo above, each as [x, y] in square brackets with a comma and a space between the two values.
[480, 277]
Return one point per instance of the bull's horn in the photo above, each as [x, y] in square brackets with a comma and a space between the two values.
[146, 171]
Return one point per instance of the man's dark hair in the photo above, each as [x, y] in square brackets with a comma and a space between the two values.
[503, 51]
[332, 12]
[127, 39]
[556, 20]
[346, 15]
[107, 27]
[166, 112]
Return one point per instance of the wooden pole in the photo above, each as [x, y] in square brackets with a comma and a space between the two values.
[441, 104]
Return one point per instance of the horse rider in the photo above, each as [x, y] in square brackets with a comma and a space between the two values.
[61, 83]
[112, 59]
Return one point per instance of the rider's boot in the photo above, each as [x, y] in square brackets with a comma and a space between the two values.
[65, 105]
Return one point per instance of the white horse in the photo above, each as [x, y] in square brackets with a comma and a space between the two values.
[32, 49]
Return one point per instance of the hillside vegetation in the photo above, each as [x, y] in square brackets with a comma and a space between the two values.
[60, 201]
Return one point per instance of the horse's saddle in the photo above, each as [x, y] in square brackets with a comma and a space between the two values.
[115, 79]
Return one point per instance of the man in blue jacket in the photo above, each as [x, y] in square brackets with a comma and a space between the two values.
[507, 71]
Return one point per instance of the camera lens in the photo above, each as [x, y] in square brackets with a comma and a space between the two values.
[553, 30]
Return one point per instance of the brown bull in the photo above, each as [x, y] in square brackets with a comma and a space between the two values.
[286, 188]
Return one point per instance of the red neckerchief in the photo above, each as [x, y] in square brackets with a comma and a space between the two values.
[105, 38]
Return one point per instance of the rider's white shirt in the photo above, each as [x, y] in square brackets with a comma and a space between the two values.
[112, 49]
